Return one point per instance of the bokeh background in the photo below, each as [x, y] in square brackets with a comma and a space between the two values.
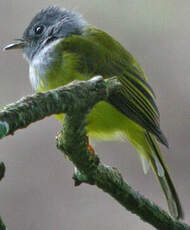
[37, 191]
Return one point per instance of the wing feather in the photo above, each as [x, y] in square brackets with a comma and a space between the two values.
[100, 54]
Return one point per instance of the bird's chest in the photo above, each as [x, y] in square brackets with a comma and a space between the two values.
[38, 75]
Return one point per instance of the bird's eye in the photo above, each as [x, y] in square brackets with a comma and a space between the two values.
[39, 29]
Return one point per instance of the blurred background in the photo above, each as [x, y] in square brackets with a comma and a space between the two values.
[37, 191]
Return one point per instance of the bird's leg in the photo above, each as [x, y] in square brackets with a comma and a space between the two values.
[90, 148]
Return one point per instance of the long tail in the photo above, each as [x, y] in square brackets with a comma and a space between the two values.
[160, 170]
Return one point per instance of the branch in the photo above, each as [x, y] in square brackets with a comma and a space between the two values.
[40, 105]
[76, 100]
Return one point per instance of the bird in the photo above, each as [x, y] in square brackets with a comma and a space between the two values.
[61, 46]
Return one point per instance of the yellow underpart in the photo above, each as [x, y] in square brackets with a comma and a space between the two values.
[105, 122]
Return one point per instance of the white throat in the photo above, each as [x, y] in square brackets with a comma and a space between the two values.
[39, 65]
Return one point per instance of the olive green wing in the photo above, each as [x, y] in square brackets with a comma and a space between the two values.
[99, 54]
[136, 101]
[136, 98]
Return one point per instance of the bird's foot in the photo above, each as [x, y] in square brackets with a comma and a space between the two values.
[90, 149]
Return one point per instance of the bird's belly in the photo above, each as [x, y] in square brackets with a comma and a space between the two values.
[105, 122]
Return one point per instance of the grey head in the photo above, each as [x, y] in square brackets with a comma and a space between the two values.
[48, 25]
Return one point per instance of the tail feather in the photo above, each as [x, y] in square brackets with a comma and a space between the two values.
[162, 174]
[145, 164]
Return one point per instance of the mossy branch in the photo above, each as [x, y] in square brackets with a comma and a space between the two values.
[76, 100]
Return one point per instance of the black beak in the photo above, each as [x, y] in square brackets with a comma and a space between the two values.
[18, 44]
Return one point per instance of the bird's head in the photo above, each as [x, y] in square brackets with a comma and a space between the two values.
[48, 25]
